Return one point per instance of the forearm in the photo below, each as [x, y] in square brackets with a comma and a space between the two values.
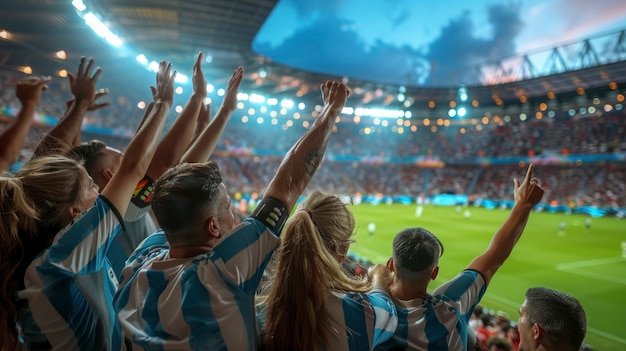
[12, 139]
[509, 233]
[176, 140]
[503, 242]
[203, 146]
[62, 136]
[141, 149]
[303, 159]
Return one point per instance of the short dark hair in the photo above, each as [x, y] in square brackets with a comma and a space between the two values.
[88, 154]
[416, 249]
[183, 192]
[560, 315]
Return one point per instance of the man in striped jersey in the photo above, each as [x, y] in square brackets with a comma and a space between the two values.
[439, 321]
[198, 294]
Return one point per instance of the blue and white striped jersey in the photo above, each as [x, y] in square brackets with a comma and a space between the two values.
[69, 287]
[369, 319]
[200, 303]
[439, 322]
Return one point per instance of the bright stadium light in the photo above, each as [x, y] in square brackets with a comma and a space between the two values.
[462, 112]
[78, 4]
[257, 99]
[452, 112]
[141, 58]
[101, 30]
[181, 78]
[153, 66]
[286, 103]
[347, 110]
[210, 88]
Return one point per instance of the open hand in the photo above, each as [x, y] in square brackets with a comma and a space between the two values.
[199, 83]
[230, 98]
[28, 90]
[83, 85]
[164, 91]
[94, 105]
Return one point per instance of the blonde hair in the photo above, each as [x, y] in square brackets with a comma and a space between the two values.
[34, 208]
[308, 270]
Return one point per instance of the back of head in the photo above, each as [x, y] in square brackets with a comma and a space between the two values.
[89, 154]
[561, 316]
[416, 253]
[183, 195]
[315, 239]
[34, 208]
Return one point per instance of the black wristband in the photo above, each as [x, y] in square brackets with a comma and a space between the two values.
[273, 213]
[142, 196]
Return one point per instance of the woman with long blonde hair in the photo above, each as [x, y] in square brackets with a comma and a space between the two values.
[313, 304]
[55, 229]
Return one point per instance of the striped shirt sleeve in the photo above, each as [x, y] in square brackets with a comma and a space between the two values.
[82, 246]
[243, 255]
[385, 315]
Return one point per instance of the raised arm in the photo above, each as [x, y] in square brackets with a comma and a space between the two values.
[141, 148]
[94, 106]
[304, 157]
[527, 195]
[203, 146]
[28, 91]
[178, 137]
[62, 136]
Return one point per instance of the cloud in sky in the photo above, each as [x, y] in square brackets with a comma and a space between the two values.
[396, 41]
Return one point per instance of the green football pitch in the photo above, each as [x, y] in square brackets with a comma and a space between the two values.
[587, 264]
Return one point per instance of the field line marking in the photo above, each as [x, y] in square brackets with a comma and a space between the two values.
[606, 335]
[598, 276]
[589, 263]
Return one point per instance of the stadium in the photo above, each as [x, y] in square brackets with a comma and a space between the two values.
[451, 136]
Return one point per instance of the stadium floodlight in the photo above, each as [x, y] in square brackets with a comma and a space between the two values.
[462, 112]
[221, 91]
[79, 5]
[452, 112]
[376, 112]
[181, 78]
[286, 103]
[347, 110]
[141, 58]
[101, 29]
[408, 114]
[462, 94]
[301, 106]
[256, 98]
[153, 66]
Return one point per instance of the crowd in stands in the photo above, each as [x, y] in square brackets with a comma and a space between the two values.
[132, 241]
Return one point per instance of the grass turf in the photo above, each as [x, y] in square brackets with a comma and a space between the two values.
[587, 264]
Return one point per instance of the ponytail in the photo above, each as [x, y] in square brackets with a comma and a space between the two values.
[308, 270]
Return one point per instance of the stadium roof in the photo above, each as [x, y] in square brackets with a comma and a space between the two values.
[176, 30]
